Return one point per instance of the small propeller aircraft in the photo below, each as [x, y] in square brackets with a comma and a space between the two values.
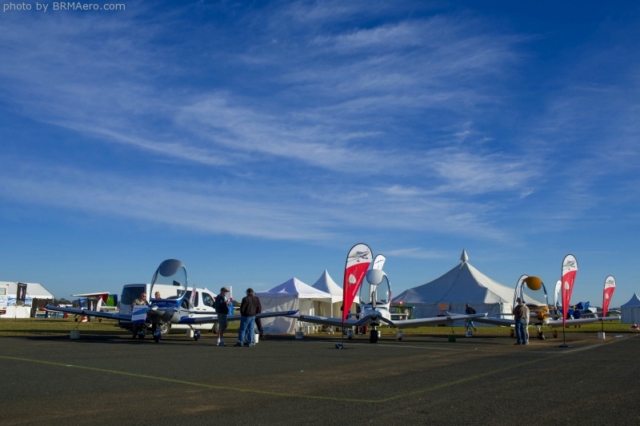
[174, 310]
[540, 314]
[375, 301]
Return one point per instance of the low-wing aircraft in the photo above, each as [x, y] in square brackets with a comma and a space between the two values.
[540, 314]
[375, 301]
[174, 310]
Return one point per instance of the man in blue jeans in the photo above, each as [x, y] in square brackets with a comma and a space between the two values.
[520, 323]
[249, 307]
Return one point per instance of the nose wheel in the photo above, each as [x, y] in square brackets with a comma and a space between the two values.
[373, 336]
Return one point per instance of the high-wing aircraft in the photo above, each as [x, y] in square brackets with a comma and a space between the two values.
[174, 310]
[375, 301]
[540, 315]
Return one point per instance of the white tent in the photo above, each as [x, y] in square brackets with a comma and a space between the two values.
[326, 283]
[452, 291]
[288, 296]
[631, 311]
[9, 308]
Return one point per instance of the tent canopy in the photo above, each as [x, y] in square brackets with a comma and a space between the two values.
[634, 301]
[328, 285]
[631, 310]
[295, 287]
[461, 285]
[291, 295]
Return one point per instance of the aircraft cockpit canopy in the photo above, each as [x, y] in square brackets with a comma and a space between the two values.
[171, 272]
[370, 291]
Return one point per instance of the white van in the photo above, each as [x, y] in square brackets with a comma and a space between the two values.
[204, 301]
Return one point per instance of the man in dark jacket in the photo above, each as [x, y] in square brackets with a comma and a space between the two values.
[222, 310]
[249, 307]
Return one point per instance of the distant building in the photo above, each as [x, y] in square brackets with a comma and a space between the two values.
[22, 300]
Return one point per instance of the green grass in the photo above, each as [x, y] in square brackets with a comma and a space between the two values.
[55, 326]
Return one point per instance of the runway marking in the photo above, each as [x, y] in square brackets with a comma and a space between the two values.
[316, 397]
[387, 345]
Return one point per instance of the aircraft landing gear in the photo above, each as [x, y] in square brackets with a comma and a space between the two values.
[555, 334]
[400, 334]
[196, 335]
[513, 333]
[373, 336]
[541, 335]
[349, 334]
[164, 328]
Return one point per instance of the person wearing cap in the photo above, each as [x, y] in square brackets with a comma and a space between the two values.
[222, 310]
[518, 318]
[249, 307]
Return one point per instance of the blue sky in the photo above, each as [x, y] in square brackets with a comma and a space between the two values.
[257, 141]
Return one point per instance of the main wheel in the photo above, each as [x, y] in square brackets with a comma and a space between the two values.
[165, 327]
[555, 334]
[196, 335]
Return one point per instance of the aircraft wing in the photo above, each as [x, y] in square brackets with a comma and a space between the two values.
[449, 317]
[330, 321]
[88, 312]
[558, 322]
[505, 322]
[214, 318]
[102, 293]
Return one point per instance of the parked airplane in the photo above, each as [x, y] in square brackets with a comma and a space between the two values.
[174, 310]
[375, 301]
[540, 315]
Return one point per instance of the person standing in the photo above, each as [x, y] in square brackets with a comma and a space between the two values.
[222, 310]
[470, 311]
[525, 317]
[518, 318]
[248, 311]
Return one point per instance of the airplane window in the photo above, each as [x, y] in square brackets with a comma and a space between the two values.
[129, 294]
[208, 300]
[188, 297]
[365, 293]
[382, 292]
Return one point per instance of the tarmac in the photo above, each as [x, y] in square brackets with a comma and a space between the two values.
[420, 380]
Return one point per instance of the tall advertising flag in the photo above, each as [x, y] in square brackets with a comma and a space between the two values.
[378, 262]
[358, 262]
[609, 288]
[569, 271]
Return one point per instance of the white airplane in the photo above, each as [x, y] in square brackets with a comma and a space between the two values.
[540, 315]
[375, 301]
[175, 310]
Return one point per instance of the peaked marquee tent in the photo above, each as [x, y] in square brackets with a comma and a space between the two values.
[288, 296]
[631, 311]
[452, 291]
[326, 283]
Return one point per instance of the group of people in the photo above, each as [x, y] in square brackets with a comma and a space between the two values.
[249, 308]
